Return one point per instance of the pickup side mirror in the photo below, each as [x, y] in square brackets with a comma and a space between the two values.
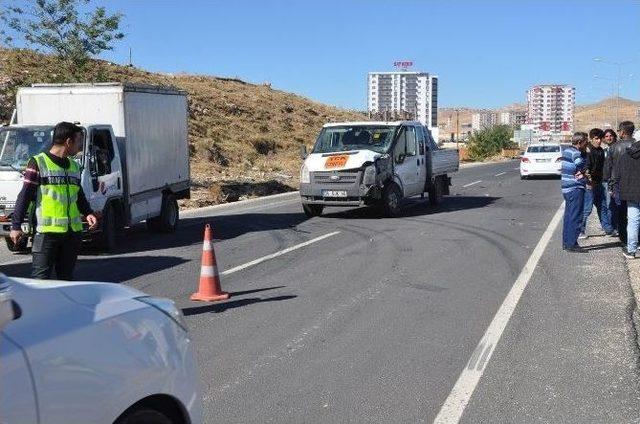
[303, 152]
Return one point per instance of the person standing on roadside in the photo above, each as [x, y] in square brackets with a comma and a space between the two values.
[627, 183]
[610, 138]
[52, 184]
[595, 192]
[625, 132]
[573, 186]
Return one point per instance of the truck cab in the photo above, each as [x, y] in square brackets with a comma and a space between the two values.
[99, 160]
[374, 163]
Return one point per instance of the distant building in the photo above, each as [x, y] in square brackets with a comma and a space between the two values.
[404, 95]
[513, 118]
[482, 120]
[550, 109]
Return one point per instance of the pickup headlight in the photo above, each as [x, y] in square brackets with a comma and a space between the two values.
[167, 307]
[369, 177]
[305, 176]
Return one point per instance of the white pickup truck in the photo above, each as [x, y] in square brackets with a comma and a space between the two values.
[374, 163]
[135, 159]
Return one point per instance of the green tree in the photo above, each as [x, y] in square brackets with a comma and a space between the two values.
[63, 28]
[490, 141]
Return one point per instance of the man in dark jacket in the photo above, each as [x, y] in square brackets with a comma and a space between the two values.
[595, 192]
[626, 175]
[616, 150]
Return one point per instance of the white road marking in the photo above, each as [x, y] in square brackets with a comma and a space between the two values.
[518, 168]
[470, 184]
[497, 175]
[456, 402]
[280, 253]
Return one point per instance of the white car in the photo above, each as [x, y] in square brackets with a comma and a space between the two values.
[541, 159]
[83, 352]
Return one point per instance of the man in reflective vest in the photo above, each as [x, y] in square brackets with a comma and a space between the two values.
[52, 183]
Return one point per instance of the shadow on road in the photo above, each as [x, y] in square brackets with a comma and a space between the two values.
[417, 207]
[221, 307]
[107, 269]
[543, 177]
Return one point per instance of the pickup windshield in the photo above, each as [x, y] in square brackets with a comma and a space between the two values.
[340, 138]
[17, 145]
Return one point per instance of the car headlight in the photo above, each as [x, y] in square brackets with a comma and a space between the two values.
[369, 177]
[167, 307]
[305, 176]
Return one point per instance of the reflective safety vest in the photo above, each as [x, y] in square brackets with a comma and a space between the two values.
[57, 199]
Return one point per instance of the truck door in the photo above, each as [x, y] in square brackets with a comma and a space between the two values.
[406, 161]
[103, 164]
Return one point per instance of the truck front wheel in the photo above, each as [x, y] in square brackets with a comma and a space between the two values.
[312, 210]
[392, 201]
[108, 238]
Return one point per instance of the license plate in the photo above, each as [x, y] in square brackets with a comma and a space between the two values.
[336, 161]
[543, 160]
[334, 193]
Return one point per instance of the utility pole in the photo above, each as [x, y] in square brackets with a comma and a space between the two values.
[457, 127]
[617, 80]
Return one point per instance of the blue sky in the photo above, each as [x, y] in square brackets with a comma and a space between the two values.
[486, 53]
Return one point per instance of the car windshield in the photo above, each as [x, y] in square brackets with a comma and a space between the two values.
[543, 149]
[19, 144]
[340, 138]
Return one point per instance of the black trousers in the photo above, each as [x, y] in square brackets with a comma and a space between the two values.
[59, 251]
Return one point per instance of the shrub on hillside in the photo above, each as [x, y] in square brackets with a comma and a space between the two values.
[490, 141]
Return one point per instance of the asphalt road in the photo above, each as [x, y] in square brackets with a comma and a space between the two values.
[376, 321]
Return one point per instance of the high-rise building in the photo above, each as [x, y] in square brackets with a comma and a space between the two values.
[482, 120]
[550, 109]
[513, 117]
[405, 95]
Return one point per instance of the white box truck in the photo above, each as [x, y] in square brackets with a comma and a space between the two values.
[374, 163]
[135, 160]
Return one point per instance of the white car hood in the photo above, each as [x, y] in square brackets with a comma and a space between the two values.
[355, 159]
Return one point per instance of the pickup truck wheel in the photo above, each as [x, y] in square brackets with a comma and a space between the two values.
[436, 192]
[20, 247]
[167, 222]
[312, 210]
[109, 236]
[392, 201]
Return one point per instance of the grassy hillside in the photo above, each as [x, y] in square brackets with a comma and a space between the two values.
[244, 138]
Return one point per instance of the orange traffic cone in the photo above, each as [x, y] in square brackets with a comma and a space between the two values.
[209, 290]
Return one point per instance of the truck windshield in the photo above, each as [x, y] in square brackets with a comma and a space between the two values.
[361, 137]
[17, 145]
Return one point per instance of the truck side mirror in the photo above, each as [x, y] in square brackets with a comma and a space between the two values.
[400, 158]
[303, 152]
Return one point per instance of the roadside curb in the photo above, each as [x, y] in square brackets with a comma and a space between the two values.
[242, 203]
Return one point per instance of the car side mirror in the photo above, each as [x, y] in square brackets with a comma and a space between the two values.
[400, 158]
[303, 152]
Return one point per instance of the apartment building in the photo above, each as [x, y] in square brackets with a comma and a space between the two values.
[513, 118]
[550, 109]
[404, 95]
[482, 120]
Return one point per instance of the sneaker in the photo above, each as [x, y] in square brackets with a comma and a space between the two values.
[583, 236]
[628, 255]
[613, 233]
